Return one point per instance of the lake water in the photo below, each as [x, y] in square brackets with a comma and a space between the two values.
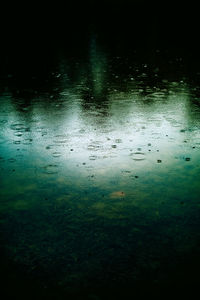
[99, 160]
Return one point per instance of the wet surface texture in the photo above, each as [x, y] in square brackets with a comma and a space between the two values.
[99, 162]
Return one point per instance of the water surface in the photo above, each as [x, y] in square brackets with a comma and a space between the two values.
[99, 159]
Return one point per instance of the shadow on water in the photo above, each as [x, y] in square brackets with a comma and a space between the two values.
[99, 157]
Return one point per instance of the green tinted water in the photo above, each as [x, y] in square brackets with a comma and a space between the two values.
[99, 179]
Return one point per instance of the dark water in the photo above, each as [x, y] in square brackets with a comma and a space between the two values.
[99, 160]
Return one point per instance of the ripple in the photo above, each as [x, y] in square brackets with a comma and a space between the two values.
[60, 139]
[138, 156]
[12, 160]
[50, 169]
[19, 127]
[17, 142]
[92, 157]
[93, 147]
[27, 142]
[56, 154]
[118, 141]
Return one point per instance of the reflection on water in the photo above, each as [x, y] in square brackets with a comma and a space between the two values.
[100, 176]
